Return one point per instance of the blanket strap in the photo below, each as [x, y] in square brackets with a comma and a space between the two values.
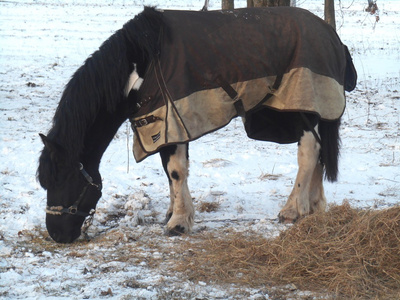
[145, 121]
[233, 94]
[308, 124]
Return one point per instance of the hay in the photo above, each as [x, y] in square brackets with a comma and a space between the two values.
[208, 206]
[346, 253]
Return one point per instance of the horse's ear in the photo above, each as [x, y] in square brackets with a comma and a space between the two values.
[43, 137]
[47, 142]
[50, 161]
[51, 146]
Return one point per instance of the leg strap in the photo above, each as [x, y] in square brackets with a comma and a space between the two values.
[310, 127]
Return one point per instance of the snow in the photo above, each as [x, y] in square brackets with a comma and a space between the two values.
[43, 42]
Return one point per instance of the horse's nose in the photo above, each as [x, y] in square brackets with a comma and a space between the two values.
[63, 229]
[64, 237]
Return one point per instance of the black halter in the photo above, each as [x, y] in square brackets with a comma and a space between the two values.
[73, 209]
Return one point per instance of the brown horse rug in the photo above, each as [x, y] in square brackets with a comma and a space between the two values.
[264, 64]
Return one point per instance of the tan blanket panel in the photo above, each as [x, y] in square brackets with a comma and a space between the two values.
[303, 90]
[205, 111]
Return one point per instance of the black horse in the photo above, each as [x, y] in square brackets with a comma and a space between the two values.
[178, 75]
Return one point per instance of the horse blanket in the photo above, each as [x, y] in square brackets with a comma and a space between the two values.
[262, 64]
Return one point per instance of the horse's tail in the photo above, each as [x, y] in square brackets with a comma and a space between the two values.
[330, 147]
[329, 130]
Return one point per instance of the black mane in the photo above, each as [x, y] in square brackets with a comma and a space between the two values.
[99, 84]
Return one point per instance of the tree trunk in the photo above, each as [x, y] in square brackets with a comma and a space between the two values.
[267, 3]
[227, 4]
[330, 13]
[271, 3]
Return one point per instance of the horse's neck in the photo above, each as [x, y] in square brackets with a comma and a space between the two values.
[100, 134]
[106, 125]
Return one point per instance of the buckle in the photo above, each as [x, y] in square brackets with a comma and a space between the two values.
[72, 210]
[142, 122]
[145, 121]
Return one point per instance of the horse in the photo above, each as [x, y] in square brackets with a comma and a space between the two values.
[178, 75]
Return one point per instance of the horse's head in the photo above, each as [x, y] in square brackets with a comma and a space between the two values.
[100, 96]
[72, 194]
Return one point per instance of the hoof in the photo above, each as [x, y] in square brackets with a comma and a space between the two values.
[176, 231]
[285, 220]
[288, 216]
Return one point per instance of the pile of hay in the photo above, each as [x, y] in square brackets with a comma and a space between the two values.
[344, 252]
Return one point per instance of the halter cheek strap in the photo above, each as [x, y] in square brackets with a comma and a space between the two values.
[73, 209]
[89, 178]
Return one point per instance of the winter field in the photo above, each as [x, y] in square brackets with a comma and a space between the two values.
[42, 43]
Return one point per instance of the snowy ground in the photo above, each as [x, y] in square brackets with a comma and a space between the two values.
[43, 42]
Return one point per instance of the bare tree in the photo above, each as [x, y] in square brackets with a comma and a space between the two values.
[271, 3]
[227, 4]
[268, 3]
[373, 9]
[205, 7]
[329, 12]
[329, 7]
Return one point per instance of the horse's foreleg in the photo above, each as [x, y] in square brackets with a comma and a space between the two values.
[181, 211]
[298, 203]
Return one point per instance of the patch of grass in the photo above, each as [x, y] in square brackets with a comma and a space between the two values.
[217, 163]
[264, 176]
[6, 172]
[208, 206]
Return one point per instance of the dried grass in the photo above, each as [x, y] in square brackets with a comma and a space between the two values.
[346, 253]
[208, 206]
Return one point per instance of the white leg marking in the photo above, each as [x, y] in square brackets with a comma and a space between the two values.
[181, 201]
[134, 82]
[298, 203]
[171, 203]
[317, 194]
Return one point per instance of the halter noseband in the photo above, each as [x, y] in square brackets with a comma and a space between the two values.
[73, 209]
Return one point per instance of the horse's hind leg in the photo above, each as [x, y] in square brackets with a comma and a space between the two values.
[317, 194]
[298, 203]
[181, 210]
